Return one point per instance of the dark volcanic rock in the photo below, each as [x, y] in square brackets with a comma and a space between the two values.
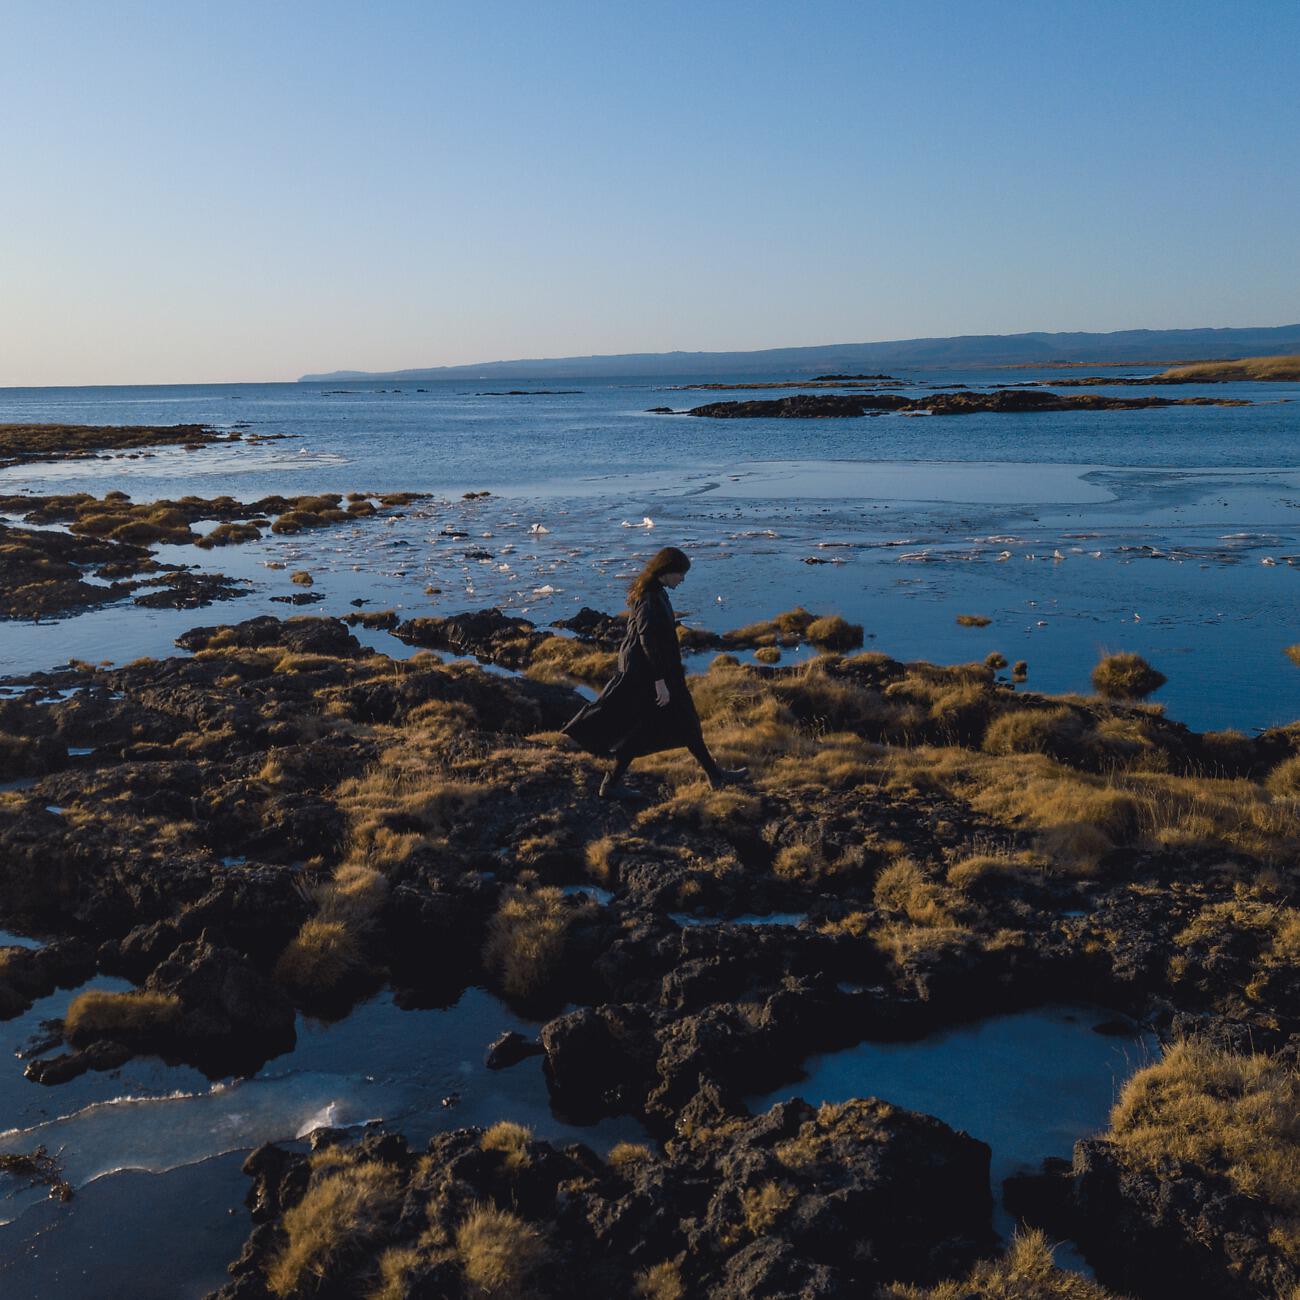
[183, 590]
[232, 1017]
[820, 406]
[509, 1049]
[1178, 1230]
[304, 635]
[795, 1202]
[486, 633]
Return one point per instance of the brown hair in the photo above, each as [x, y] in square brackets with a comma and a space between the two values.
[669, 560]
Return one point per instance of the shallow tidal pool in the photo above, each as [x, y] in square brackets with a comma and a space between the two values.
[1029, 1084]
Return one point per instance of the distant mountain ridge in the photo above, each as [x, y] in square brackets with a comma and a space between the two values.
[1133, 347]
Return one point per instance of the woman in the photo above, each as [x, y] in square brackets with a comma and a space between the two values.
[646, 707]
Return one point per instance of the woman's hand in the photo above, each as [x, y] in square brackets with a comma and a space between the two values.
[661, 693]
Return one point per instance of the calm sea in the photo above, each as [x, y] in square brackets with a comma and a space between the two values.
[1172, 532]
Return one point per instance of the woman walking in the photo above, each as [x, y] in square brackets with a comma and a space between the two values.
[646, 707]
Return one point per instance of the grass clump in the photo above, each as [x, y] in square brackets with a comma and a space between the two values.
[1284, 779]
[562, 659]
[625, 1156]
[1055, 731]
[768, 654]
[229, 534]
[1026, 1272]
[1292, 652]
[763, 1206]
[527, 937]
[499, 1253]
[1126, 676]
[321, 957]
[122, 1017]
[341, 1214]
[1232, 1115]
[661, 1282]
[511, 1140]
[973, 620]
[834, 633]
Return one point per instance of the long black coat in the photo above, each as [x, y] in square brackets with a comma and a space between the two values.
[625, 721]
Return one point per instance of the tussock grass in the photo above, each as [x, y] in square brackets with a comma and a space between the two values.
[768, 654]
[979, 868]
[762, 1207]
[229, 534]
[973, 620]
[499, 1253]
[727, 811]
[511, 1141]
[1026, 1272]
[1126, 676]
[663, 1281]
[1284, 779]
[526, 939]
[625, 1156]
[788, 627]
[562, 659]
[1234, 1115]
[834, 633]
[344, 1210]
[121, 1017]
[323, 955]
[811, 862]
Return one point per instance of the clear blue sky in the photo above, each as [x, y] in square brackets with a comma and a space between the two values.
[251, 190]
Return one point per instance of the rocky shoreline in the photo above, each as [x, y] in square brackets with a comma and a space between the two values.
[108, 539]
[1007, 401]
[22, 444]
[282, 821]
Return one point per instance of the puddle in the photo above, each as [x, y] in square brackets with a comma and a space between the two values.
[8, 939]
[1029, 1084]
[23, 783]
[597, 895]
[747, 918]
[380, 1063]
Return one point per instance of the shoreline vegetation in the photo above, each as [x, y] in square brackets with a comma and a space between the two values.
[282, 821]
[22, 444]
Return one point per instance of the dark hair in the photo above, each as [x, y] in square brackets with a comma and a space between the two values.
[669, 560]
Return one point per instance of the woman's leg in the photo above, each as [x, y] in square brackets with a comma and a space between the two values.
[718, 776]
[614, 775]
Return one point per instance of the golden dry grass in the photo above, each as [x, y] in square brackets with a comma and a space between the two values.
[119, 1016]
[762, 1207]
[323, 955]
[511, 1141]
[1126, 676]
[563, 659]
[344, 1209]
[627, 1155]
[499, 1253]
[1234, 1115]
[526, 939]
[1260, 368]
[1026, 1272]
[833, 633]
[663, 1281]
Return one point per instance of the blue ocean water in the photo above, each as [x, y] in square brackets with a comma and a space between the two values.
[1174, 532]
